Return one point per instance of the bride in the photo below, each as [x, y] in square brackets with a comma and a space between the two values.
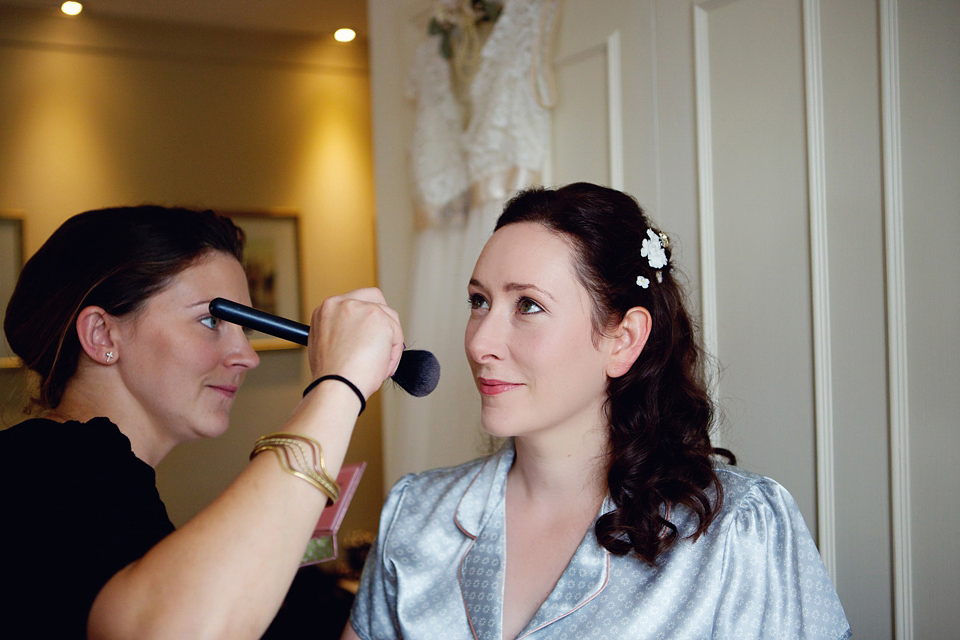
[606, 513]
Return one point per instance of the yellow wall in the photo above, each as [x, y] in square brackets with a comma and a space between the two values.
[97, 112]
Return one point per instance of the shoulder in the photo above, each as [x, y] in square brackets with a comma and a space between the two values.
[101, 429]
[744, 495]
[107, 481]
[102, 494]
[69, 443]
[764, 548]
[433, 487]
[745, 492]
[738, 483]
[444, 500]
[759, 519]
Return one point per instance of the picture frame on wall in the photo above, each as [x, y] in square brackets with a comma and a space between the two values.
[11, 262]
[273, 267]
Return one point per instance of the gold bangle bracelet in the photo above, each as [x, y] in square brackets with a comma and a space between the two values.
[293, 457]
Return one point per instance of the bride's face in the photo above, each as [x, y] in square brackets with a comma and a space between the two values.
[536, 360]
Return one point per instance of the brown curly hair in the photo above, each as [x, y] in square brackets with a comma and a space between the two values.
[659, 412]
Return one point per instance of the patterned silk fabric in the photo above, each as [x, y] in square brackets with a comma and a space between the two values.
[436, 570]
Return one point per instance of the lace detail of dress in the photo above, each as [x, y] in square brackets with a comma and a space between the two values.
[509, 129]
[462, 174]
[508, 132]
[437, 159]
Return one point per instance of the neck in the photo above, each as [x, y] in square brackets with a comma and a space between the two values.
[84, 400]
[551, 470]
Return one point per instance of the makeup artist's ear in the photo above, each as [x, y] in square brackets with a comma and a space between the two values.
[95, 330]
[628, 341]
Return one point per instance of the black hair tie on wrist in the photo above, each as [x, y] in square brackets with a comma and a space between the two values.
[333, 376]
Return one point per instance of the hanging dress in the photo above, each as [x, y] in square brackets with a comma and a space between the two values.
[462, 178]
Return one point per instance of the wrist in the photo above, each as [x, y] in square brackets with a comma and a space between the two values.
[338, 379]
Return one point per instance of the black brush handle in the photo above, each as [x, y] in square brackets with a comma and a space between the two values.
[418, 371]
[259, 320]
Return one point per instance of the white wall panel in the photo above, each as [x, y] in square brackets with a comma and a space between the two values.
[581, 121]
[760, 217]
[820, 286]
[928, 35]
[853, 190]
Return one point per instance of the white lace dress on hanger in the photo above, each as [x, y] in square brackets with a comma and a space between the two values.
[462, 177]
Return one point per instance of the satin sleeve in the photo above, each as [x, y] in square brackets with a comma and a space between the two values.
[774, 583]
[374, 613]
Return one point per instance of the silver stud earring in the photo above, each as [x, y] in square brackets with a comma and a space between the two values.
[110, 356]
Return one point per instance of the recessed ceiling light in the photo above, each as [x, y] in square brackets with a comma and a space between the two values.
[344, 35]
[71, 8]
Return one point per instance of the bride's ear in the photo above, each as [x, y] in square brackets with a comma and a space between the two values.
[628, 341]
[95, 332]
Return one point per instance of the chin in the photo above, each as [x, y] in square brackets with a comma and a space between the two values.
[214, 427]
[216, 433]
[498, 426]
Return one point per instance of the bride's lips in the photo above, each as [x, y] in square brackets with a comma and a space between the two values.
[228, 390]
[491, 387]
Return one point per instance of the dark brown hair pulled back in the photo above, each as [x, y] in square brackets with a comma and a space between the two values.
[111, 258]
[660, 411]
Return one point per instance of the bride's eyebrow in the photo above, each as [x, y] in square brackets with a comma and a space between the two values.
[516, 286]
[523, 286]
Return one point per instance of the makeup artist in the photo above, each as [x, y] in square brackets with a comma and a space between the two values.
[112, 315]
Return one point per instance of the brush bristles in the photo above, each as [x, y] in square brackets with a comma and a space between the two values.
[418, 372]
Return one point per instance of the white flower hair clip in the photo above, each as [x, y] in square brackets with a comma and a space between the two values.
[653, 248]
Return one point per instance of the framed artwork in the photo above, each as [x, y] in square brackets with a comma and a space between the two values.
[11, 261]
[272, 265]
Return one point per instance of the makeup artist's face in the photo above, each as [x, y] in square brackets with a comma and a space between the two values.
[180, 366]
[530, 341]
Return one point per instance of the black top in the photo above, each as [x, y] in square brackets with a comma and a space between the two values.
[77, 506]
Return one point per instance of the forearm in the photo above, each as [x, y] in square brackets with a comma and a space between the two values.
[224, 574]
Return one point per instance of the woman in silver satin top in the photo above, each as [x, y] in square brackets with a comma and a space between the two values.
[607, 513]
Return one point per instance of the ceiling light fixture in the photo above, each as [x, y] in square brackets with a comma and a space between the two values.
[71, 8]
[344, 35]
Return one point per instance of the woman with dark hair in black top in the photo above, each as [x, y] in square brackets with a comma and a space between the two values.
[112, 314]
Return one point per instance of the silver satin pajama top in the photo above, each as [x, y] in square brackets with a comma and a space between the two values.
[436, 569]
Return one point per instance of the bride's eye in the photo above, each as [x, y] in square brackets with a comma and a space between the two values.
[209, 322]
[528, 306]
[477, 301]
